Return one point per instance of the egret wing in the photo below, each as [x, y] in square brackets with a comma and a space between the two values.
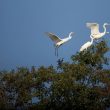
[94, 28]
[53, 37]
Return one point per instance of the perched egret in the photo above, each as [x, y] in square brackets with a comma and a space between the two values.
[87, 44]
[58, 41]
[95, 30]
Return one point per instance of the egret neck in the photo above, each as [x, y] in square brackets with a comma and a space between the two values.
[104, 29]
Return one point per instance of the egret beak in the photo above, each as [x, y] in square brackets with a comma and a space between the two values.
[71, 33]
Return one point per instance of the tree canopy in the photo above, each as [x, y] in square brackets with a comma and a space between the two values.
[83, 84]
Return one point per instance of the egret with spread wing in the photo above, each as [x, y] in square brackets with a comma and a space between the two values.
[58, 41]
[95, 30]
[87, 44]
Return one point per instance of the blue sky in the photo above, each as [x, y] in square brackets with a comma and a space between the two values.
[23, 23]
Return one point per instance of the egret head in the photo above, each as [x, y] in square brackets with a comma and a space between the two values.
[106, 24]
[71, 33]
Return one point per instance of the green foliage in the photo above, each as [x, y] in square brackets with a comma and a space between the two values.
[94, 57]
[83, 84]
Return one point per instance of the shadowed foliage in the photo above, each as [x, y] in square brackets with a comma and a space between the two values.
[83, 84]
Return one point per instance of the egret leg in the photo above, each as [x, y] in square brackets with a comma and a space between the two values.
[57, 51]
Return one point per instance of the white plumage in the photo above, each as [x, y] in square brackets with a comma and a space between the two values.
[95, 30]
[87, 44]
[58, 41]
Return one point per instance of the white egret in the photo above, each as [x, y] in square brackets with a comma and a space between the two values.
[87, 44]
[58, 41]
[95, 30]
